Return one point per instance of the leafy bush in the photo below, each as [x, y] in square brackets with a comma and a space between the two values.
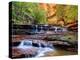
[27, 13]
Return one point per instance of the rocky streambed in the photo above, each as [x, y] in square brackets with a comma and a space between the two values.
[41, 49]
[44, 45]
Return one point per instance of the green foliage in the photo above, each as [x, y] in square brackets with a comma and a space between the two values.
[60, 11]
[71, 12]
[31, 13]
[67, 12]
[40, 16]
[27, 13]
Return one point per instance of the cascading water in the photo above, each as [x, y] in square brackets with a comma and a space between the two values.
[41, 29]
[26, 44]
[55, 29]
[36, 28]
[43, 50]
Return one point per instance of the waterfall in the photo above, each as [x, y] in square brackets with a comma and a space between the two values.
[27, 44]
[36, 28]
[41, 28]
[42, 51]
[55, 29]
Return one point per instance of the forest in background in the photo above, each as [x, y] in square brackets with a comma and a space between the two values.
[24, 13]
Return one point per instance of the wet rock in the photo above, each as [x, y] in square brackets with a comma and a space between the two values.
[18, 53]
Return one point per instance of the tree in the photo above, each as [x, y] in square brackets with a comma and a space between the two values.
[67, 12]
[28, 13]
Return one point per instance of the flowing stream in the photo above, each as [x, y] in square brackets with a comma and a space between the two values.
[42, 49]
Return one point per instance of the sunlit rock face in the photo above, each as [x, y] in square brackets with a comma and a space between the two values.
[50, 10]
[51, 14]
